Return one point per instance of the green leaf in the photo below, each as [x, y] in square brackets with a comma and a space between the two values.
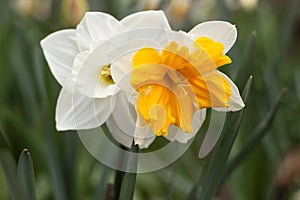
[102, 186]
[53, 162]
[244, 65]
[255, 137]
[210, 182]
[52, 158]
[297, 82]
[26, 175]
[3, 141]
[20, 58]
[223, 148]
[9, 168]
[69, 164]
[171, 182]
[128, 183]
[197, 187]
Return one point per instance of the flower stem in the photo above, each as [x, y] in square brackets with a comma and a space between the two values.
[119, 178]
[125, 180]
[129, 178]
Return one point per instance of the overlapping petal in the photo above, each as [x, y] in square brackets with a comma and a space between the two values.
[89, 80]
[96, 26]
[146, 19]
[235, 102]
[124, 114]
[181, 136]
[60, 50]
[143, 135]
[75, 111]
[219, 31]
[118, 133]
[213, 90]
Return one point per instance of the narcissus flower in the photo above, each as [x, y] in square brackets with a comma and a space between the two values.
[176, 80]
[80, 60]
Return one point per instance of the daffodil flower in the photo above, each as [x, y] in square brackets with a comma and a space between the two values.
[80, 60]
[174, 82]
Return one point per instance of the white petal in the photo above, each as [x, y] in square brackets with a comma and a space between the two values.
[219, 31]
[236, 103]
[143, 136]
[96, 26]
[181, 37]
[146, 143]
[146, 19]
[124, 114]
[180, 135]
[175, 133]
[88, 80]
[60, 50]
[78, 62]
[75, 111]
[118, 134]
[133, 40]
[123, 127]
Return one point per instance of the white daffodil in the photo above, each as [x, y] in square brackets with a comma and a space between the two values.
[175, 81]
[80, 60]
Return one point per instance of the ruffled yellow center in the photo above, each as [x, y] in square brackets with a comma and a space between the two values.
[106, 75]
[174, 83]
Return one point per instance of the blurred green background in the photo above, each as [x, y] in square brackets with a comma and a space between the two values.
[268, 47]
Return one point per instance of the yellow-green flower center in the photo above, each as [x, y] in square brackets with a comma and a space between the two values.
[106, 75]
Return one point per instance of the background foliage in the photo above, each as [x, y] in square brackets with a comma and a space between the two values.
[267, 145]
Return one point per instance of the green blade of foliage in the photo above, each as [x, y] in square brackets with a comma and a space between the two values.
[211, 178]
[244, 68]
[102, 186]
[69, 164]
[3, 141]
[128, 183]
[223, 148]
[56, 9]
[276, 62]
[287, 28]
[199, 181]
[53, 161]
[54, 165]
[297, 83]
[3, 146]
[26, 175]
[9, 168]
[19, 56]
[171, 182]
[255, 137]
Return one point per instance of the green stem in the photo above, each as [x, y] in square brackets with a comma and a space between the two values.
[129, 179]
[119, 175]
